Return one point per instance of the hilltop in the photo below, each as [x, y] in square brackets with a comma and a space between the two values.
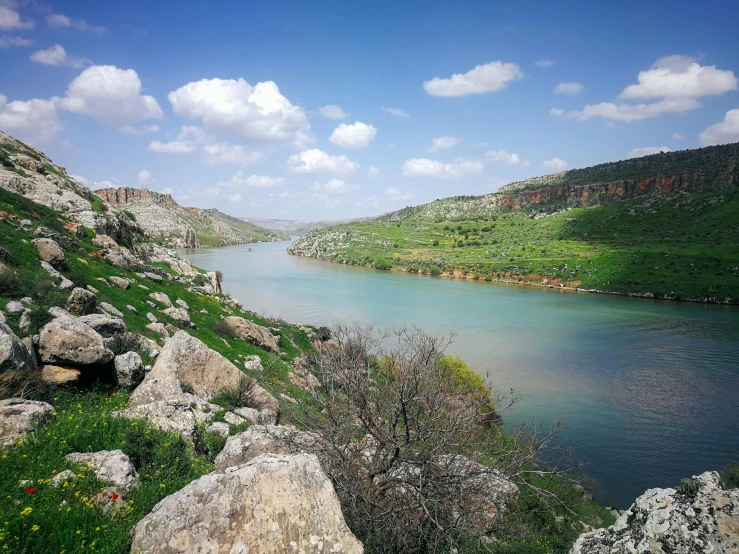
[663, 226]
[296, 227]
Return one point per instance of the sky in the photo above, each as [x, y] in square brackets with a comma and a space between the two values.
[329, 110]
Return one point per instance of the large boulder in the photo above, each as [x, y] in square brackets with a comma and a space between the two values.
[68, 340]
[180, 315]
[263, 439]
[104, 324]
[161, 297]
[699, 516]
[129, 369]
[251, 332]
[110, 466]
[51, 253]
[272, 504]
[58, 375]
[81, 302]
[19, 416]
[14, 355]
[174, 416]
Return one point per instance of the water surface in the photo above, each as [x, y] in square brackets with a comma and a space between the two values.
[648, 390]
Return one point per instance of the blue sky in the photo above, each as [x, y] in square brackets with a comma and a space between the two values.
[326, 110]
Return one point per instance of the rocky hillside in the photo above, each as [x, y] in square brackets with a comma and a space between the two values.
[164, 219]
[295, 227]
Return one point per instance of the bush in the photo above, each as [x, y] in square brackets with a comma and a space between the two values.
[462, 378]
[435, 243]
[237, 397]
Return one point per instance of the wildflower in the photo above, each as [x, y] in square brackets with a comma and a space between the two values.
[30, 490]
[35, 528]
[114, 496]
[26, 511]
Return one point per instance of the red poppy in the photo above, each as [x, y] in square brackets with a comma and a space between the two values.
[106, 394]
[30, 490]
[114, 496]
[38, 369]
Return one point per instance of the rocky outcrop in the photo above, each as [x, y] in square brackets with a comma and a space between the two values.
[251, 332]
[104, 324]
[14, 355]
[263, 439]
[81, 302]
[51, 253]
[19, 417]
[173, 416]
[699, 516]
[67, 340]
[109, 466]
[272, 504]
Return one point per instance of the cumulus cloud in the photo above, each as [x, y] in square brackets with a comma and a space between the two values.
[635, 112]
[34, 120]
[332, 111]
[443, 143]
[143, 130]
[680, 77]
[56, 55]
[502, 156]
[677, 136]
[356, 136]
[317, 161]
[334, 186]
[239, 180]
[192, 138]
[224, 153]
[490, 77]
[63, 21]
[646, 151]
[187, 141]
[544, 63]
[570, 89]
[555, 163]
[145, 178]
[556, 111]
[434, 169]
[11, 19]
[397, 194]
[110, 95]
[396, 112]
[6, 41]
[236, 109]
[724, 132]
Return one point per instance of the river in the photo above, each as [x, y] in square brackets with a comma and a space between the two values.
[648, 390]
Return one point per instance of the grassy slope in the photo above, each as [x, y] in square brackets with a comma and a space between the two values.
[207, 236]
[683, 247]
[52, 520]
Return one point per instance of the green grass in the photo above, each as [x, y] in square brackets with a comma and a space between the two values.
[671, 246]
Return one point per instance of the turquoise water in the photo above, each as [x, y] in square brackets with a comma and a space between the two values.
[648, 390]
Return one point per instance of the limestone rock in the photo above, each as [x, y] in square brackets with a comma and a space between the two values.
[272, 504]
[167, 416]
[232, 419]
[178, 314]
[24, 323]
[131, 308]
[112, 310]
[81, 302]
[704, 519]
[104, 241]
[182, 304]
[14, 354]
[51, 252]
[253, 363]
[161, 297]
[53, 273]
[110, 466]
[262, 439]
[252, 333]
[14, 307]
[18, 417]
[151, 317]
[153, 277]
[67, 340]
[121, 257]
[59, 375]
[105, 325]
[62, 477]
[28, 342]
[129, 368]
[120, 281]
[67, 284]
[220, 428]
[158, 328]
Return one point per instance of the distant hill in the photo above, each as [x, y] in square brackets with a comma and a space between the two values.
[665, 225]
[296, 227]
[163, 218]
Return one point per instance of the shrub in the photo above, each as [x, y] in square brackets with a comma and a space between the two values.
[435, 243]
[237, 397]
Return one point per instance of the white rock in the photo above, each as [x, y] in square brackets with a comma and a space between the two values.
[110, 466]
[18, 417]
[129, 368]
[161, 297]
[112, 310]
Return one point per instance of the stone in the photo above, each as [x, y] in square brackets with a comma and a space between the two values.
[180, 315]
[704, 519]
[109, 499]
[252, 415]
[109, 466]
[158, 328]
[112, 310]
[19, 417]
[121, 257]
[81, 302]
[220, 428]
[24, 323]
[253, 363]
[131, 308]
[67, 284]
[174, 417]
[28, 342]
[14, 307]
[53, 273]
[232, 419]
[62, 477]
[103, 280]
[3, 318]
[51, 252]
[153, 277]
[143, 287]
[151, 317]
[308, 382]
[252, 333]
[120, 281]
[262, 439]
[27, 301]
[182, 304]
[161, 297]
[104, 324]
[150, 304]
[14, 354]
[104, 241]
[56, 311]
[129, 368]
[59, 375]
[271, 504]
[67, 340]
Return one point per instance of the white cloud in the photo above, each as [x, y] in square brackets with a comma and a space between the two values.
[490, 77]
[6, 41]
[32, 120]
[502, 156]
[373, 171]
[60, 20]
[239, 180]
[145, 178]
[187, 140]
[236, 109]
[56, 55]
[397, 194]
[544, 63]
[570, 89]
[646, 151]
[443, 143]
[680, 77]
[396, 112]
[317, 161]
[724, 132]
[110, 95]
[556, 111]
[677, 136]
[635, 112]
[332, 111]
[433, 169]
[356, 136]
[555, 163]
[143, 130]
[224, 153]
[334, 186]
[11, 19]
